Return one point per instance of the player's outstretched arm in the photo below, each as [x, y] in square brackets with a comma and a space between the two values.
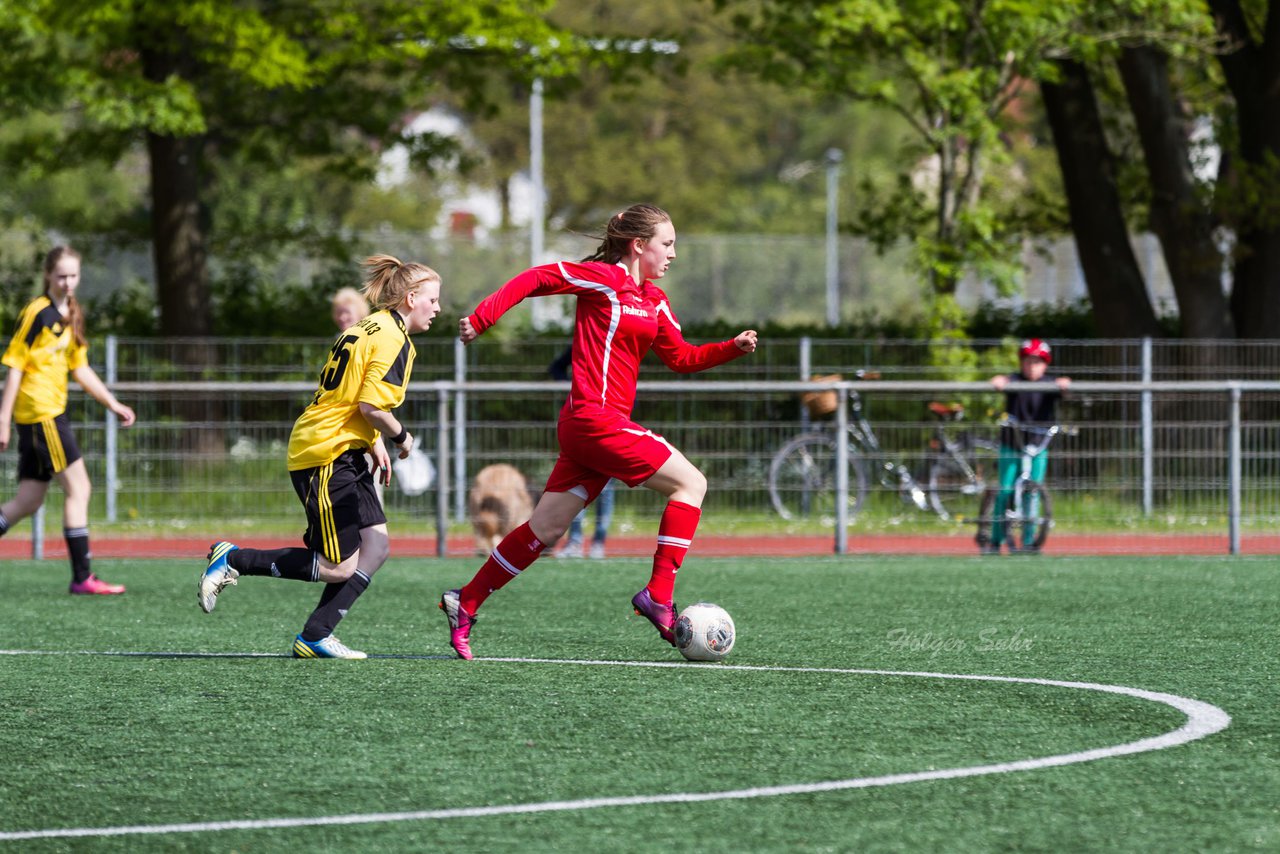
[97, 389]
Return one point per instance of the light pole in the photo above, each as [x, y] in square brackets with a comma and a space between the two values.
[544, 312]
[833, 159]
[537, 206]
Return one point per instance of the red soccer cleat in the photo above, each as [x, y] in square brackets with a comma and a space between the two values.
[460, 623]
[661, 614]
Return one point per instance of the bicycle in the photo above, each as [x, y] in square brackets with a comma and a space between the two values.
[802, 474]
[1028, 516]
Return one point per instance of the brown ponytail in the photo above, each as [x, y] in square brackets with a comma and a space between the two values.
[638, 222]
[74, 317]
[389, 280]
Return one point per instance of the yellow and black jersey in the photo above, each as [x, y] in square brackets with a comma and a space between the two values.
[45, 350]
[369, 363]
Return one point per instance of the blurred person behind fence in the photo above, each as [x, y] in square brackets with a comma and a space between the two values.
[349, 308]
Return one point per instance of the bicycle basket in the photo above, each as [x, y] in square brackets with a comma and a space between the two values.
[821, 403]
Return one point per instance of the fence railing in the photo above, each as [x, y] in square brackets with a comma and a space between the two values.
[1190, 462]
[522, 357]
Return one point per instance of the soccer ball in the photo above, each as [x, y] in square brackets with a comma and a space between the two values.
[704, 632]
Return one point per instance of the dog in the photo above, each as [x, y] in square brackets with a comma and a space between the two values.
[499, 502]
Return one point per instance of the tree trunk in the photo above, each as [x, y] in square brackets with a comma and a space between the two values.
[1183, 224]
[178, 239]
[1252, 72]
[1121, 306]
[182, 274]
[178, 242]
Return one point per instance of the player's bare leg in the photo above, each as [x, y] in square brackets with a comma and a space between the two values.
[685, 488]
[350, 579]
[74, 480]
[519, 549]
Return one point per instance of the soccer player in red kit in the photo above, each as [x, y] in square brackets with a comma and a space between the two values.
[621, 315]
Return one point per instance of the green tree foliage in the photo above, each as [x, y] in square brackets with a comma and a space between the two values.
[224, 92]
[722, 152]
[957, 72]
[950, 70]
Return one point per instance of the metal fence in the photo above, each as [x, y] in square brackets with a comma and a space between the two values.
[1154, 464]
[506, 355]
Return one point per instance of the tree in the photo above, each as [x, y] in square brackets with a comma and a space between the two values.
[1250, 65]
[208, 81]
[720, 152]
[949, 69]
[1114, 281]
[1171, 94]
[1179, 213]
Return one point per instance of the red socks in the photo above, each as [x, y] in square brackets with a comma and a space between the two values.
[521, 548]
[512, 556]
[675, 534]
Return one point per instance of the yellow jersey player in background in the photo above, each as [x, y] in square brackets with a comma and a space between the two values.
[363, 379]
[49, 344]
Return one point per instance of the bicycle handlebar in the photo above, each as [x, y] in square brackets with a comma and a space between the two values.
[1045, 432]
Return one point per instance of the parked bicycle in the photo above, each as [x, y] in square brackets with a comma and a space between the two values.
[1026, 516]
[955, 470]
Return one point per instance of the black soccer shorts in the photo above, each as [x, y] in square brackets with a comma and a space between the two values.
[341, 501]
[46, 448]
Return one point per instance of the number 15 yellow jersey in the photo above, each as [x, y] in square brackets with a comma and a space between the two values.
[369, 363]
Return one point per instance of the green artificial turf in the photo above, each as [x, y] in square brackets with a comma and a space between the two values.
[152, 735]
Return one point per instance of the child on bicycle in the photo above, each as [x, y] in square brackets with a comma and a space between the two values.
[1023, 409]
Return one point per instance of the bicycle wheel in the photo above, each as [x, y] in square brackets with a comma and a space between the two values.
[956, 482]
[986, 515]
[802, 479]
[1029, 527]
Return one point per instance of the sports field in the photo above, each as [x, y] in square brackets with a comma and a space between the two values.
[1136, 709]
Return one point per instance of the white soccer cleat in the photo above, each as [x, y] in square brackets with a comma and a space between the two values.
[329, 647]
[217, 575]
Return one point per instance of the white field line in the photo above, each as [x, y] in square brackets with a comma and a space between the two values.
[1203, 720]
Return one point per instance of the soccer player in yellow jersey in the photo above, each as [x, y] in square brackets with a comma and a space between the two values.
[48, 344]
[363, 379]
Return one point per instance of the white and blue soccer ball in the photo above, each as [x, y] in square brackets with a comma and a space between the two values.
[704, 632]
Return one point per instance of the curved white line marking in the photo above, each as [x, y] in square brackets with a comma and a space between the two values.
[1203, 720]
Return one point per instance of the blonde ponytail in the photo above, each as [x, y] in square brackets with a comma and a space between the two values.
[389, 280]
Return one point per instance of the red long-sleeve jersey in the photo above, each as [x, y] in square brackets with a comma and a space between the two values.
[618, 322]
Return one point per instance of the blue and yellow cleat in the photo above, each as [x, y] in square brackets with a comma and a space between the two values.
[217, 575]
[329, 647]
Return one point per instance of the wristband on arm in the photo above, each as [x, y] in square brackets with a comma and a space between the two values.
[398, 439]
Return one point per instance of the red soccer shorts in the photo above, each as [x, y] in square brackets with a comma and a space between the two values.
[600, 444]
